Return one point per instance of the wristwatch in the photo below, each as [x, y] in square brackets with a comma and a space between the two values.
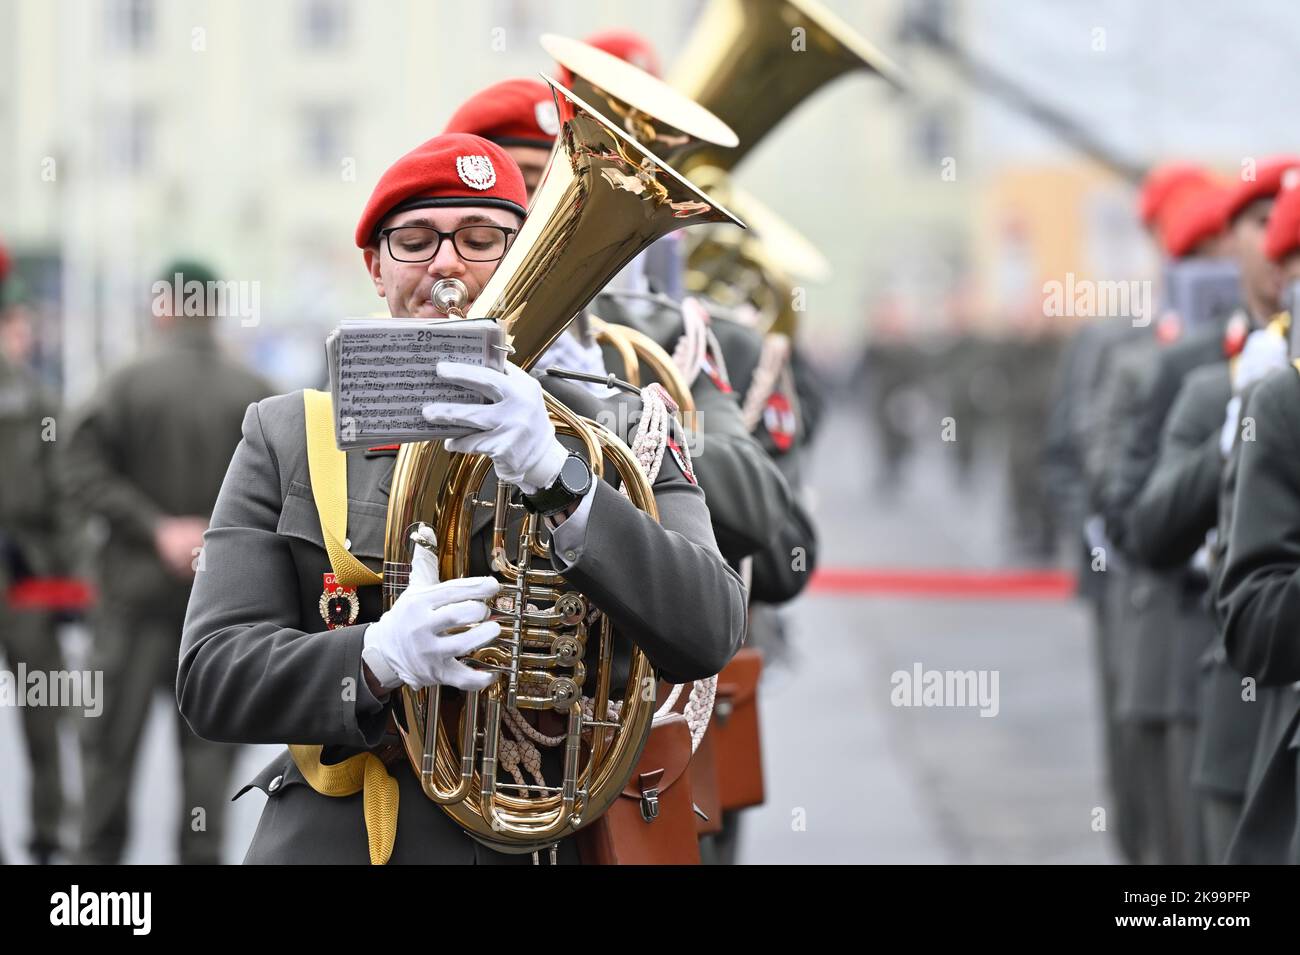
[573, 482]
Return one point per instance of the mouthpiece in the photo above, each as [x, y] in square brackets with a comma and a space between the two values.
[449, 297]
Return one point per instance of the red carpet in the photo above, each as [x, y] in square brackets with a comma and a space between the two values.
[967, 584]
[71, 594]
[51, 593]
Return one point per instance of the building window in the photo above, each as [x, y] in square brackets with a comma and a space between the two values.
[130, 25]
[926, 21]
[516, 17]
[932, 136]
[322, 24]
[322, 137]
[128, 140]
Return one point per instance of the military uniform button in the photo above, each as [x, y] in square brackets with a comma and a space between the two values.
[275, 784]
[570, 555]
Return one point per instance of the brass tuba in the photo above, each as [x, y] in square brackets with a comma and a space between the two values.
[673, 126]
[602, 199]
[740, 63]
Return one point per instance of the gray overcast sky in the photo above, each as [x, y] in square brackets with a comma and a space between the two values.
[1205, 78]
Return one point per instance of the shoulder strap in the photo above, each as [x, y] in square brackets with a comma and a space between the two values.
[772, 360]
[328, 467]
[364, 772]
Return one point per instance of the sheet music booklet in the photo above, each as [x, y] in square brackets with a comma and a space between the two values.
[382, 373]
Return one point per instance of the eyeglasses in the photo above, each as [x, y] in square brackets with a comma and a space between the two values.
[473, 243]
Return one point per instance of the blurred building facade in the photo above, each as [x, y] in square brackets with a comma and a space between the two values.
[1157, 81]
[249, 133]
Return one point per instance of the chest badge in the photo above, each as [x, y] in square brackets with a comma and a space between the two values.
[339, 605]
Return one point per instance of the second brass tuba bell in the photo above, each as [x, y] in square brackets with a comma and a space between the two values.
[742, 65]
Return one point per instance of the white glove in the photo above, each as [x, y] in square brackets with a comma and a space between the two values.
[514, 429]
[410, 644]
[1263, 352]
[1229, 432]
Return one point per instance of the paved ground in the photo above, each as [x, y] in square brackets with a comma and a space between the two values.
[850, 777]
[891, 784]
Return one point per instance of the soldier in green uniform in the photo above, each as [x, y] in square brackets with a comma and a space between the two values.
[1168, 528]
[1124, 593]
[1074, 448]
[1261, 613]
[146, 456]
[1031, 357]
[1231, 707]
[1253, 717]
[750, 503]
[1099, 391]
[1186, 506]
[1170, 631]
[29, 550]
[751, 506]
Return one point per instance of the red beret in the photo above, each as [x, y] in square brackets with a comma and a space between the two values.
[1283, 235]
[6, 263]
[1191, 217]
[629, 46]
[1162, 183]
[454, 169]
[510, 113]
[624, 44]
[1265, 184]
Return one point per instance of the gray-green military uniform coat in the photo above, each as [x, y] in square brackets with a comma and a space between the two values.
[258, 664]
[1078, 438]
[751, 484]
[29, 545]
[1139, 652]
[1168, 524]
[1175, 630]
[1126, 607]
[1174, 514]
[749, 499]
[1176, 509]
[1259, 603]
[153, 442]
[776, 576]
[1230, 716]
[1070, 423]
[29, 519]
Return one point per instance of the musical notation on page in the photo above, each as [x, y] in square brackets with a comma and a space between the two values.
[384, 371]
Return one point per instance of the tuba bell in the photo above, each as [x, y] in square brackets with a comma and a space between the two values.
[740, 65]
[649, 110]
[603, 198]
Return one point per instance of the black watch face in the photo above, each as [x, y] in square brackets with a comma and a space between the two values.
[575, 475]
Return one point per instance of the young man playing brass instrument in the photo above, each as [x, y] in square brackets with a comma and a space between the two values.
[258, 663]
